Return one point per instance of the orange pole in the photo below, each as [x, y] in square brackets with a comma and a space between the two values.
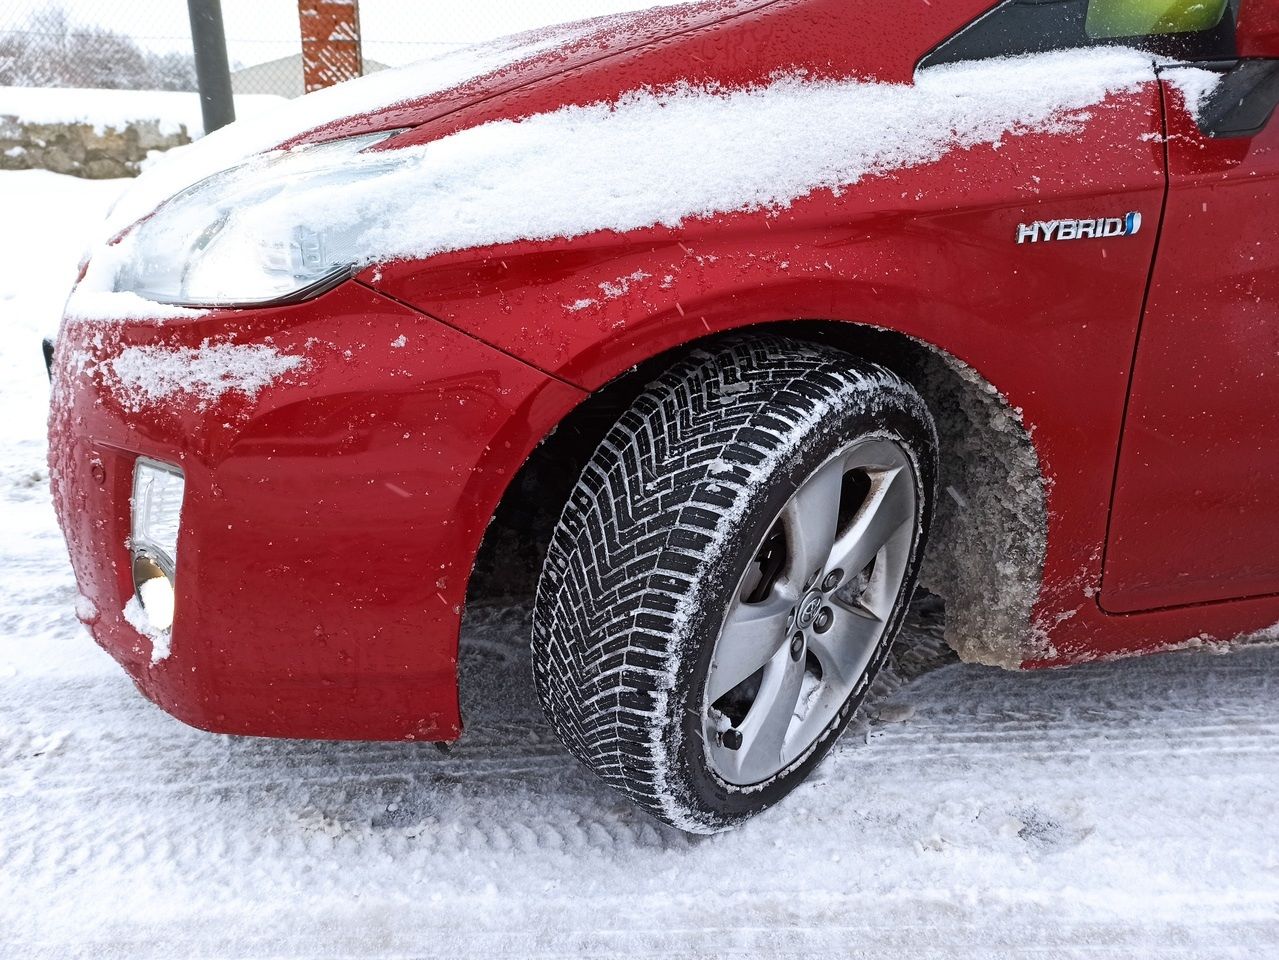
[330, 42]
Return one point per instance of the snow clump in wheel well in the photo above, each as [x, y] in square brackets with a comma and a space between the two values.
[986, 551]
[989, 537]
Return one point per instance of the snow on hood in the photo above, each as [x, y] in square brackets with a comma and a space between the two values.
[379, 92]
[244, 138]
[659, 156]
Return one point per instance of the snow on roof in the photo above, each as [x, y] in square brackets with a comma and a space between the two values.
[283, 77]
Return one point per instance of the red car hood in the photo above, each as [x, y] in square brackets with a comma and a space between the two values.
[724, 43]
[530, 58]
[711, 43]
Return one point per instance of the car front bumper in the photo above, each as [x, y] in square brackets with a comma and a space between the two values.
[331, 513]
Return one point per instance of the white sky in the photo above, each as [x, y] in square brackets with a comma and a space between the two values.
[395, 31]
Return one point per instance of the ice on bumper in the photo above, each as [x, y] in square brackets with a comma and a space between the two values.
[139, 376]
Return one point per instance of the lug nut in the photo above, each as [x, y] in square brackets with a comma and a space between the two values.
[731, 739]
[797, 646]
[832, 580]
[824, 620]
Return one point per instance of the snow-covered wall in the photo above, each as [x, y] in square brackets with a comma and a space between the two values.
[98, 134]
[82, 150]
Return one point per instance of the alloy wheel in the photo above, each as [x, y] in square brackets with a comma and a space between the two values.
[810, 611]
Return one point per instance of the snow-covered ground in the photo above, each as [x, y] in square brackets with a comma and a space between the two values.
[1125, 809]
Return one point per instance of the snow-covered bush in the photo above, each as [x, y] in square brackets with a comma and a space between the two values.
[55, 51]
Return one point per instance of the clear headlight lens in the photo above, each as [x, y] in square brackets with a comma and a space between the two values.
[157, 518]
[214, 244]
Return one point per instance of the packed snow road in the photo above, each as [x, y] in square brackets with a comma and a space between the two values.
[1126, 809]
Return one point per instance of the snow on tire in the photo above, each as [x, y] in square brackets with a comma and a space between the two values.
[729, 574]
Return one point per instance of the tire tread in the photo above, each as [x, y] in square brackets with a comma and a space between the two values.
[625, 557]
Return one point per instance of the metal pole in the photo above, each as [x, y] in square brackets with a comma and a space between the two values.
[211, 69]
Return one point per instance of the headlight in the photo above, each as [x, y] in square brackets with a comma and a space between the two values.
[223, 242]
[157, 518]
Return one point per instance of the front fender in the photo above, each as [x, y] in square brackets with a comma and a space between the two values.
[1051, 329]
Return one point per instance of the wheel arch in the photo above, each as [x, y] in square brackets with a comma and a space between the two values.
[988, 546]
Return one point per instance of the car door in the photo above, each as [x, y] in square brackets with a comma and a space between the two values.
[1195, 513]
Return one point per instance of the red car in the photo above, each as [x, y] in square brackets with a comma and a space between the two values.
[737, 320]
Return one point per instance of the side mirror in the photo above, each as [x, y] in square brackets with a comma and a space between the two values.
[1258, 32]
[1244, 101]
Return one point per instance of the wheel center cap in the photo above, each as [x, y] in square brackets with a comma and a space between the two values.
[809, 607]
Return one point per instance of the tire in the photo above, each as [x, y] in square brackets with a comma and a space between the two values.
[673, 529]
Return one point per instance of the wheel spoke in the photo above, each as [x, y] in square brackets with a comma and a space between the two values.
[880, 596]
[766, 724]
[752, 635]
[844, 650]
[811, 520]
[889, 506]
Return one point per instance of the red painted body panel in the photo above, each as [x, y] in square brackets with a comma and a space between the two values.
[1044, 322]
[331, 523]
[727, 42]
[1259, 28]
[1195, 510]
[328, 525]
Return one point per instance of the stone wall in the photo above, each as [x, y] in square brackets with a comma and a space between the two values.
[81, 149]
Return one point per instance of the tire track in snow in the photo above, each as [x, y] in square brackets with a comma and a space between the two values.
[278, 831]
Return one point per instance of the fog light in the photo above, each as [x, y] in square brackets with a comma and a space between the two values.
[157, 518]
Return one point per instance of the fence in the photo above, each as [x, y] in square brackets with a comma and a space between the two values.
[146, 44]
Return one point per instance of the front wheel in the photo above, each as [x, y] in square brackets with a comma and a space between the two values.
[729, 574]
